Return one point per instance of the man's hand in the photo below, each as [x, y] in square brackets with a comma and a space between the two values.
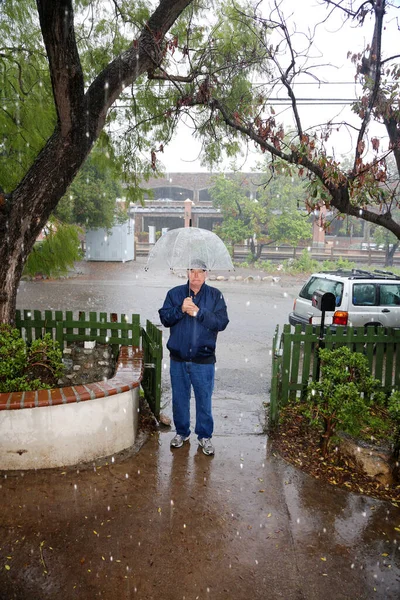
[189, 307]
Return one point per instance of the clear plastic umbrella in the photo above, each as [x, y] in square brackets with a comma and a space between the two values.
[186, 247]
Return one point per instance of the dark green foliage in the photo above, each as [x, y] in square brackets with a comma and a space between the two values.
[345, 394]
[91, 198]
[26, 367]
[394, 412]
[56, 254]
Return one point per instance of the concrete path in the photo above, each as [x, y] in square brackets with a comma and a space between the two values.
[170, 525]
[177, 525]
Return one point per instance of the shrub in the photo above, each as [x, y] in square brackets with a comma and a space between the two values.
[344, 395]
[265, 265]
[304, 264]
[25, 367]
[341, 263]
[394, 413]
[56, 254]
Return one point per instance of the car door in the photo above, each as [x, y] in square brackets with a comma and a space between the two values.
[366, 305]
[389, 303]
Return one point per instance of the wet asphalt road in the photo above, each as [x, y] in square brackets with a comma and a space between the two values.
[169, 525]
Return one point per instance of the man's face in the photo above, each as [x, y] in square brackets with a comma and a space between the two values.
[196, 278]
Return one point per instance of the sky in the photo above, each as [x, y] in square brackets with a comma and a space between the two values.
[333, 40]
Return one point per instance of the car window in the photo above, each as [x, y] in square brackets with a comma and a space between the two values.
[324, 285]
[364, 294]
[389, 294]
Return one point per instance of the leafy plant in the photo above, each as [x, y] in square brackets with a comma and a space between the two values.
[341, 263]
[26, 367]
[394, 412]
[56, 253]
[344, 395]
[304, 264]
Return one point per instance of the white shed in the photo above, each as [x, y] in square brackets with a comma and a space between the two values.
[117, 244]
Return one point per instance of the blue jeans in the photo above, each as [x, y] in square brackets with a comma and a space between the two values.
[185, 375]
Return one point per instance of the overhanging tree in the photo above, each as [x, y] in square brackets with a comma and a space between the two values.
[271, 216]
[84, 87]
[220, 89]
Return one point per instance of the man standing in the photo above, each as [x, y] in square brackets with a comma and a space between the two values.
[195, 312]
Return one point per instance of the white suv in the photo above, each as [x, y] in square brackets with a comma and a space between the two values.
[363, 298]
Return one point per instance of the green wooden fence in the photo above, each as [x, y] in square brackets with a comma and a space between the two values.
[110, 329]
[294, 362]
[152, 350]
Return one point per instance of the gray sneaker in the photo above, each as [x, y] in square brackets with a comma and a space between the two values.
[178, 440]
[207, 446]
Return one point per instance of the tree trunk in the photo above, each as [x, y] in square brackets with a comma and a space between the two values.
[326, 437]
[252, 249]
[259, 250]
[389, 254]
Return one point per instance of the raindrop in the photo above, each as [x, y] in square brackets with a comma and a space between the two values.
[248, 303]
[112, 459]
[75, 486]
[106, 85]
[126, 476]
[138, 472]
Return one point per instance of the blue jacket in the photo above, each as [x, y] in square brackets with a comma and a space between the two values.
[194, 338]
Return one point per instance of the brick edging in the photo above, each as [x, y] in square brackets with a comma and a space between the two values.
[128, 375]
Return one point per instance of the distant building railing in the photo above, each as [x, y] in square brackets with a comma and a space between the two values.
[281, 253]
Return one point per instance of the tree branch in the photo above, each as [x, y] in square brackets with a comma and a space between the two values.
[57, 25]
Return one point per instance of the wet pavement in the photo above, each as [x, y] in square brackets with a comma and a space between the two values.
[175, 524]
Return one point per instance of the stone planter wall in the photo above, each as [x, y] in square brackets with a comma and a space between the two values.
[86, 363]
[73, 424]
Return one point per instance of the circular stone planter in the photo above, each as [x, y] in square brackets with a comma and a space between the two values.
[71, 425]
